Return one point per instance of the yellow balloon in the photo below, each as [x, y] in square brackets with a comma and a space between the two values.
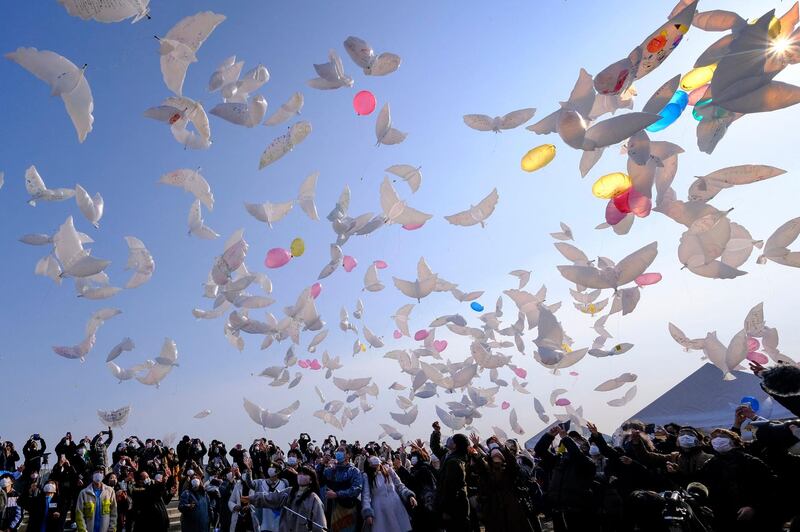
[611, 185]
[698, 77]
[538, 157]
[363, 348]
[566, 348]
[297, 247]
[774, 26]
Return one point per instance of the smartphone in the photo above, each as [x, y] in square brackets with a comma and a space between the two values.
[566, 424]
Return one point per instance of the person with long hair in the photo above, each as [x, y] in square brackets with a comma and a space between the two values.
[298, 505]
[383, 496]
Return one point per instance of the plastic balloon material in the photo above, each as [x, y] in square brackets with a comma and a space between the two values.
[421, 334]
[277, 257]
[504, 405]
[561, 401]
[477, 307]
[397, 334]
[758, 358]
[611, 185]
[348, 263]
[752, 401]
[646, 279]
[753, 344]
[697, 95]
[316, 289]
[381, 265]
[364, 103]
[297, 247]
[633, 201]
[538, 157]
[613, 215]
[440, 345]
[698, 77]
[671, 111]
[412, 227]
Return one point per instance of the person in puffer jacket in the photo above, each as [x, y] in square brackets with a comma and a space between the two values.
[96, 509]
[782, 383]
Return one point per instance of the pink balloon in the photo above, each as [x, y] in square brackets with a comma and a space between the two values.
[574, 373]
[303, 364]
[753, 344]
[277, 257]
[520, 372]
[314, 364]
[697, 94]
[397, 334]
[647, 279]
[621, 201]
[381, 265]
[562, 402]
[364, 103]
[632, 201]
[316, 288]
[758, 358]
[613, 215]
[505, 405]
[349, 263]
[440, 345]
[412, 227]
[421, 334]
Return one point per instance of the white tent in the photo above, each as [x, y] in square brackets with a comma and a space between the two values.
[705, 401]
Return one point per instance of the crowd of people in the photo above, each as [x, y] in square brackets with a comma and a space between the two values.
[742, 477]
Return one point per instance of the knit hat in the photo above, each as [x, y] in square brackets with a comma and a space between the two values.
[782, 380]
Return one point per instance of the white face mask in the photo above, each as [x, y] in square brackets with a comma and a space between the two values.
[272, 471]
[303, 480]
[97, 477]
[374, 461]
[190, 473]
[292, 460]
[721, 444]
[414, 460]
[687, 441]
[594, 450]
[49, 488]
[159, 477]
[195, 483]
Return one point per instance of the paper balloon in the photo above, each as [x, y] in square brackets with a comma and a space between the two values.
[381, 265]
[412, 227]
[477, 307]
[420, 335]
[758, 358]
[349, 263]
[611, 185]
[752, 401]
[752, 344]
[277, 257]
[563, 402]
[364, 103]
[647, 279]
[504, 405]
[297, 247]
[316, 288]
[440, 345]
[397, 334]
[698, 77]
[538, 157]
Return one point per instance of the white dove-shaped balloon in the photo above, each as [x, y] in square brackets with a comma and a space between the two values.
[285, 143]
[269, 212]
[331, 74]
[364, 56]
[38, 191]
[193, 182]
[287, 110]
[114, 418]
[476, 214]
[74, 260]
[511, 120]
[423, 286]
[625, 399]
[65, 80]
[777, 249]
[91, 207]
[409, 174]
[179, 47]
[249, 114]
[267, 419]
[623, 273]
[104, 11]
[178, 112]
[384, 132]
[396, 211]
[305, 198]
[202, 414]
[197, 226]
[140, 260]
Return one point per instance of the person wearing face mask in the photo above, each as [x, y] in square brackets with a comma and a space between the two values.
[294, 459]
[45, 513]
[343, 483]
[8, 457]
[65, 475]
[740, 486]
[194, 507]
[382, 498]
[298, 505]
[500, 506]
[99, 448]
[422, 481]
[96, 508]
[570, 479]
[123, 499]
[271, 517]
[34, 451]
[243, 516]
[683, 466]
[149, 509]
[11, 511]
[453, 500]
[237, 454]
[66, 446]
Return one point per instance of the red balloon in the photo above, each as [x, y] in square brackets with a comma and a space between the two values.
[277, 257]
[633, 201]
[613, 215]
[621, 202]
[364, 103]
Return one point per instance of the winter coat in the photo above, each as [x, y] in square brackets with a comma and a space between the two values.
[67, 448]
[570, 474]
[195, 511]
[98, 455]
[8, 462]
[422, 481]
[435, 443]
[346, 481]
[452, 500]
[86, 507]
[236, 500]
[384, 500]
[782, 382]
[270, 517]
[149, 512]
[36, 506]
[301, 501]
[10, 510]
[67, 478]
[626, 477]
[500, 505]
[689, 462]
[33, 455]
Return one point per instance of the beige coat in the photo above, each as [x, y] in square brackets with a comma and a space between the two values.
[85, 510]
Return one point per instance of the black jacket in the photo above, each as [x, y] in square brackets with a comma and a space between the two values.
[36, 505]
[570, 475]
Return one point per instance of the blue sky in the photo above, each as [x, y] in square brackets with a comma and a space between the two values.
[458, 58]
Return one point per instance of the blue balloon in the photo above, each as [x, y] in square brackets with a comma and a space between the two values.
[671, 111]
[752, 401]
[477, 307]
[681, 98]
